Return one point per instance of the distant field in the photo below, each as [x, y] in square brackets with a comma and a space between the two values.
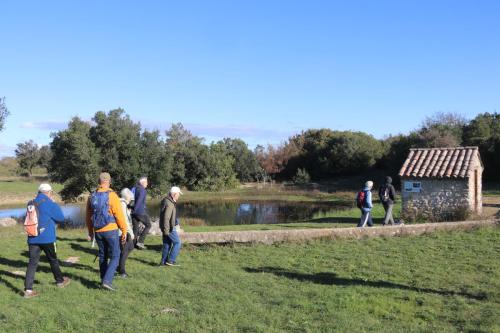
[444, 282]
[21, 187]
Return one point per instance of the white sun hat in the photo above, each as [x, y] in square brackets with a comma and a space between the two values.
[45, 187]
[176, 189]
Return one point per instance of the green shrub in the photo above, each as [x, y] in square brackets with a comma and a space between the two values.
[301, 177]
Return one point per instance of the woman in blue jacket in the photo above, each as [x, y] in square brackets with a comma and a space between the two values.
[49, 213]
[366, 209]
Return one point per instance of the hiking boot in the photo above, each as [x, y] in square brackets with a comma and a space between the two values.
[109, 287]
[30, 294]
[64, 283]
[171, 264]
[140, 246]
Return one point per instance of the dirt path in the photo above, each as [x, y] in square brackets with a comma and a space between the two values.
[491, 206]
[277, 236]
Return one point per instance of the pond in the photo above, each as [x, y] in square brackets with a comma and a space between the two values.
[214, 212]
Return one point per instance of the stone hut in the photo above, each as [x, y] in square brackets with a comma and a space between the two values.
[442, 183]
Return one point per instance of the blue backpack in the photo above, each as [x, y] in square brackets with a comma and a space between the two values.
[99, 202]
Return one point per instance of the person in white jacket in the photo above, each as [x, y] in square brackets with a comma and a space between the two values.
[127, 198]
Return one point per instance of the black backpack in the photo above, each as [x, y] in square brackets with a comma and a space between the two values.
[385, 193]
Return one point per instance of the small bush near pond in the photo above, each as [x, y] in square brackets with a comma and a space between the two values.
[301, 177]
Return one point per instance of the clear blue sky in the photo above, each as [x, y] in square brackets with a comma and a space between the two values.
[259, 70]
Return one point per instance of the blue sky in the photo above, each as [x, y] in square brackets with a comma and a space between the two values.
[259, 70]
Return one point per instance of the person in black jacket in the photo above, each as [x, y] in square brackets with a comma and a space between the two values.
[139, 214]
[387, 195]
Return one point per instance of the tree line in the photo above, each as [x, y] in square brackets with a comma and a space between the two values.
[113, 142]
[325, 153]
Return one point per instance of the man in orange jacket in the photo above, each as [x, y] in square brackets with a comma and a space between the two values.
[104, 218]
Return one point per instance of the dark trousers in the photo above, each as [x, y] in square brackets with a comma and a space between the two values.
[34, 253]
[140, 236]
[126, 249]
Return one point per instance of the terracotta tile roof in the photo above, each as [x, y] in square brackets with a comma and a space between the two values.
[439, 162]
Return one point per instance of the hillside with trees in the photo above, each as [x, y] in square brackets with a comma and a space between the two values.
[113, 142]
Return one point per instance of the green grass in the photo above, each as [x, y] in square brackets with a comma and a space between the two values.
[492, 193]
[21, 187]
[445, 282]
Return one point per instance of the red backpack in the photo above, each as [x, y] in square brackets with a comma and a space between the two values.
[360, 199]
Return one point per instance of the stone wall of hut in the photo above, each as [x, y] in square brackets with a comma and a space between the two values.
[439, 199]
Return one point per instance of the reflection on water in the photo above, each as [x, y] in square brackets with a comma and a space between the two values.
[215, 213]
[74, 214]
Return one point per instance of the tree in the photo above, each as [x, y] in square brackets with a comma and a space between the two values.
[27, 156]
[186, 151]
[117, 139]
[325, 153]
[196, 165]
[301, 177]
[44, 156]
[484, 132]
[75, 159]
[442, 130]
[156, 163]
[218, 173]
[4, 112]
[352, 152]
[245, 164]
[275, 159]
[396, 150]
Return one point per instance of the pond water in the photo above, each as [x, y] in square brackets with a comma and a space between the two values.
[214, 213]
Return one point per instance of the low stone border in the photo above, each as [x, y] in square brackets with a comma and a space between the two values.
[275, 236]
[7, 222]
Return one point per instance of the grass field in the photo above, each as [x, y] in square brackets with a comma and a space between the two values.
[435, 283]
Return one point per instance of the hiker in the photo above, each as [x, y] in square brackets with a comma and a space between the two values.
[104, 218]
[140, 214]
[364, 202]
[127, 199]
[48, 213]
[169, 226]
[387, 195]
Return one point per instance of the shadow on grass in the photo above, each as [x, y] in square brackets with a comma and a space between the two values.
[146, 262]
[328, 278]
[10, 285]
[339, 220]
[86, 249]
[45, 269]
[79, 240]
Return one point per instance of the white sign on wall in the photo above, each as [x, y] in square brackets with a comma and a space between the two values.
[413, 187]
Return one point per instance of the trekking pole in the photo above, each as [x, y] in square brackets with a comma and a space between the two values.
[93, 245]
